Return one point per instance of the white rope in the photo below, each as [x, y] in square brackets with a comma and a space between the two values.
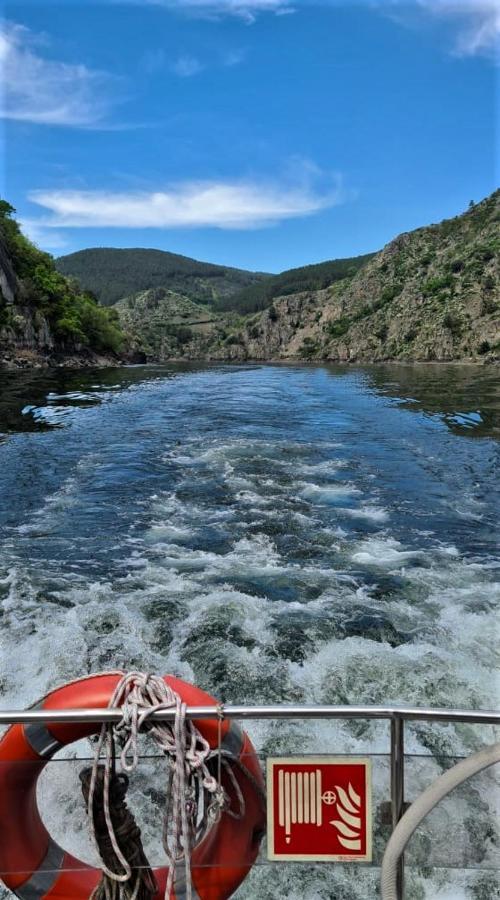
[139, 695]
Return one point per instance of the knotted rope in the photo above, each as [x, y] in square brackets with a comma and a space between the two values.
[139, 695]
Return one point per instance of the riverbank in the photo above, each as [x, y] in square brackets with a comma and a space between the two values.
[87, 359]
[32, 359]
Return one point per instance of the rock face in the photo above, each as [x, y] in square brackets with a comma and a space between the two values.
[24, 333]
[27, 339]
[9, 285]
[27, 342]
[432, 294]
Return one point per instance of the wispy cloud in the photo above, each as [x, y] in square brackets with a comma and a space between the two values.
[47, 91]
[248, 10]
[475, 24]
[48, 238]
[478, 23]
[186, 66]
[213, 204]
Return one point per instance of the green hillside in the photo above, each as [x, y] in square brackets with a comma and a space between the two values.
[293, 281]
[162, 325]
[112, 274]
[43, 313]
[430, 294]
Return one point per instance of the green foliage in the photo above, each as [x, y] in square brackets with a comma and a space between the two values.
[74, 316]
[339, 327]
[489, 305]
[390, 293]
[484, 347]
[382, 331]
[112, 274]
[452, 323]
[307, 278]
[232, 339]
[436, 285]
[484, 252]
[183, 334]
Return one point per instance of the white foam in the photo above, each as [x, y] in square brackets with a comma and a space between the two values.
[375, 514]
[328, 494]
[384, 552]
[250, 644]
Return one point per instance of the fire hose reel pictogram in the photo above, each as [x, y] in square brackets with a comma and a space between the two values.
[319, 808]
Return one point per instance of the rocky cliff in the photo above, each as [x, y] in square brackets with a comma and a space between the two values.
[45, 320]
[431, 294]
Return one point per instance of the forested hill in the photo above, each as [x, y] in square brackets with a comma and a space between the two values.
[45, 319]
[293, 281]
[112, 274]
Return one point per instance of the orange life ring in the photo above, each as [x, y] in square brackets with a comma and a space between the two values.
[33, 866]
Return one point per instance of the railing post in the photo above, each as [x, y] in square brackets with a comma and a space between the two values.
[397, 786]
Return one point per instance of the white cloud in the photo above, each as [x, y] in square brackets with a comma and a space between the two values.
[48, 238]
[248, 10]
[212, 204]
[478, 23]
[186, 66]
[475, 23]
[46, 91]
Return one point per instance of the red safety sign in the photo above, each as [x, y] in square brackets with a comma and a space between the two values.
[319, 808]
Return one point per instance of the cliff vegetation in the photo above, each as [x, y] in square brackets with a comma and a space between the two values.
[45, 318]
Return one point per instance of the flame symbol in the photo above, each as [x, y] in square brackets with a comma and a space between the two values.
[349, 823]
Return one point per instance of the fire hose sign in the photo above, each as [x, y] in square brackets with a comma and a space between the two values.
[319, 809]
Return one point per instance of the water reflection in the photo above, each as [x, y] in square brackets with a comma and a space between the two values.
[465, 398]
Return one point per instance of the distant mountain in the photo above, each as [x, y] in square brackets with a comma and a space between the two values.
[306, 278]
[430, 294]
[113, 274]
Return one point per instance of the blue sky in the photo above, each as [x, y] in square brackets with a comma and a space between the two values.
[264, 134]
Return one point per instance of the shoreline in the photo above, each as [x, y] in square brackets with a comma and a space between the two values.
[31, 362]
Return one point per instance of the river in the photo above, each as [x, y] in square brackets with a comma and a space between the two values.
[275, 534]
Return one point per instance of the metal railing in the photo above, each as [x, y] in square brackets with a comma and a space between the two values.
[396, 715]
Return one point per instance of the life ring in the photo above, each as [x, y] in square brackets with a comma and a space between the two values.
[33, 866]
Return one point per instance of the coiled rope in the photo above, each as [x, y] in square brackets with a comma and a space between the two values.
[139, 695]
[143, 885]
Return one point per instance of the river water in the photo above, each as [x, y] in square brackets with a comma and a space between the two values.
[274, 534]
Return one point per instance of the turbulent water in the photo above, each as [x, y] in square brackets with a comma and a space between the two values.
[274, 534]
